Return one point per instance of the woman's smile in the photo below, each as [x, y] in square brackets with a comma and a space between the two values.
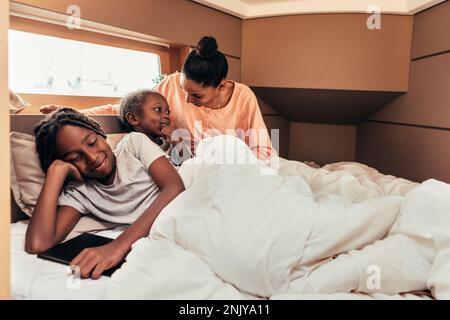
[99, 168]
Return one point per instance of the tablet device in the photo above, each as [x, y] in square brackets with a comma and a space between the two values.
[67, 251]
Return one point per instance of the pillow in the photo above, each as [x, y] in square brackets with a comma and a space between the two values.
[27, 176]
[16, 103]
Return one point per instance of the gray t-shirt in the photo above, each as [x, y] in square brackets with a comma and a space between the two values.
[132, 191]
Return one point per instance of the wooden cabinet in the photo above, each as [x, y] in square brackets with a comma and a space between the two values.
[327, 51]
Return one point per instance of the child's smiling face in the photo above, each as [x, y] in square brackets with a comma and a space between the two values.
[153, 116]
[87, 151]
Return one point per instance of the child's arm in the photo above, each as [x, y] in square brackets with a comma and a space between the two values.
[93, 261]
[49, 225]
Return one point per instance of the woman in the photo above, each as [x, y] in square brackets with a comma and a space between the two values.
[204, 103]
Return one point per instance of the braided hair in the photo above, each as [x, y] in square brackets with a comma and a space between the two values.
[47, 130]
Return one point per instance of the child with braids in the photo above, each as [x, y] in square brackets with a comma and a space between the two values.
[83, 175]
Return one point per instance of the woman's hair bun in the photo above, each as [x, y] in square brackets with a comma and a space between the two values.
[206, 48]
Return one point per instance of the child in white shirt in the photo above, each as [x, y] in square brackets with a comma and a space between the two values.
[131, 184]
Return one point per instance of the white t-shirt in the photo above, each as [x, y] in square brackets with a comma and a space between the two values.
[132, 191]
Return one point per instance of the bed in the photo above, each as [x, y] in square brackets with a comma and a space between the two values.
[344, 231]
[34, 278]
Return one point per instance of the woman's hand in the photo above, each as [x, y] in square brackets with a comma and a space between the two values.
[49, 108]
[93, 261]
[65, 169]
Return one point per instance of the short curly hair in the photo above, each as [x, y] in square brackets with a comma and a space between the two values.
[47, 131]
[133, 103]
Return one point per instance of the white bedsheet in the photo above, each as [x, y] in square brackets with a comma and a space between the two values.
[301, 234]
[34, 278]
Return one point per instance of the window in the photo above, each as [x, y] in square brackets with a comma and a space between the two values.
[40, 64]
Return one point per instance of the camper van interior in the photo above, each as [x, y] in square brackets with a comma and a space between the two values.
[317, 161]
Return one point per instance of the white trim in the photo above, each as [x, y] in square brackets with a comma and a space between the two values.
[415, 6]
[236, 8]
[33, 13]
[245, 10]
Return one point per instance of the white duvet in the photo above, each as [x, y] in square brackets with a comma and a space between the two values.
[238, 232]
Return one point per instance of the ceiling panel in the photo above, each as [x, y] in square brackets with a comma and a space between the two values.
[248, 9]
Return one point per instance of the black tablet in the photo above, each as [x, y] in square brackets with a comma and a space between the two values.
[67, 251]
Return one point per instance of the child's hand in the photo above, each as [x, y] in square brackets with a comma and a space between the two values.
[167, 131]
[93, 261]
[65, 169]
[167, 134]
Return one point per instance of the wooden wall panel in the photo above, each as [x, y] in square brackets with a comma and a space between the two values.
[76, 102]
[410, 137]
[428, 100]
[409, 152]
[266, 109]
[178, 21]
[234, 69]
[324, 106]
[327, 51]
[431, 31]
[279, 123]
[322, 143]
[275, 121]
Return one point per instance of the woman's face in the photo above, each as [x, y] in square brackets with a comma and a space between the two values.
[86, 150]
[199, 95]
[154, 116]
